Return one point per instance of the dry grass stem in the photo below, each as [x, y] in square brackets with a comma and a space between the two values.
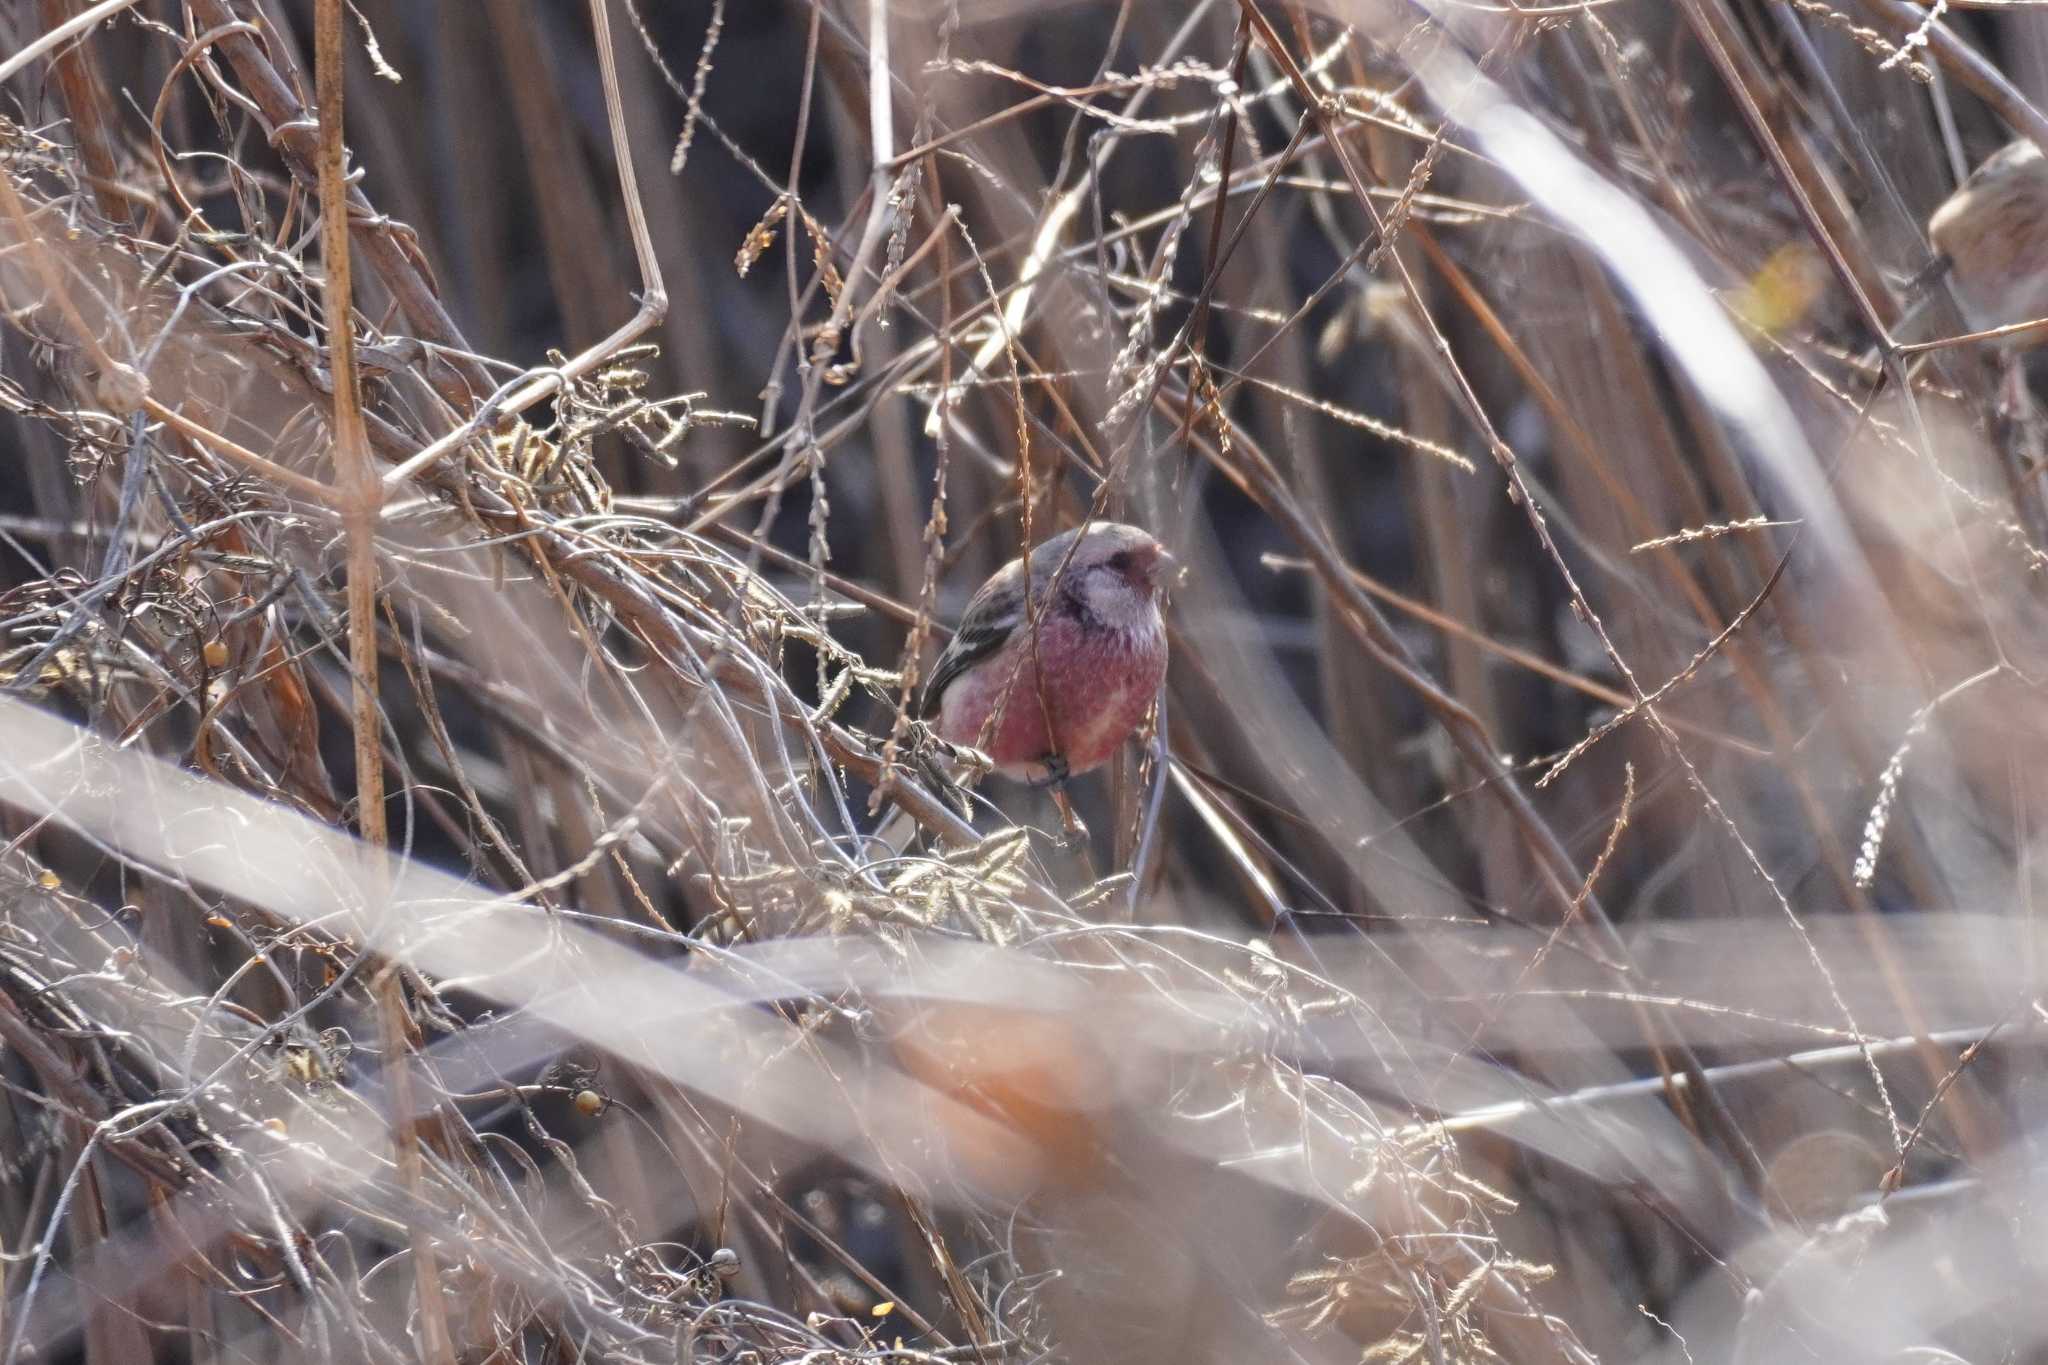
[489, 482]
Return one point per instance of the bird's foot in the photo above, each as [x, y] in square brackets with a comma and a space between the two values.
[1056, 772]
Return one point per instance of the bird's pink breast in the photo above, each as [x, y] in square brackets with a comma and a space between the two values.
[1097, 685]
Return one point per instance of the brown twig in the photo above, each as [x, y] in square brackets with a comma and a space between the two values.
[363, 501]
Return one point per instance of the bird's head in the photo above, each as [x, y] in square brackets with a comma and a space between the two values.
[1120, 572]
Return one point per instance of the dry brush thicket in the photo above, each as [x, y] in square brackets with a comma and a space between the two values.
[1576, 899]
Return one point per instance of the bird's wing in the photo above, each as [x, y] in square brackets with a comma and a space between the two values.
[992, 616]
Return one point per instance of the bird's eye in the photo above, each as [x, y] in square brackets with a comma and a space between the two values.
[1121, 561]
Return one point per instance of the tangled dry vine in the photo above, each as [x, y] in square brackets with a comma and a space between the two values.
[490, 478]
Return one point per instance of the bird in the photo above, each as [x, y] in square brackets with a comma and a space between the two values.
[1992, 234]
[1050, 690]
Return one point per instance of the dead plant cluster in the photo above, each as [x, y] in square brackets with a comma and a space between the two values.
[486, 479]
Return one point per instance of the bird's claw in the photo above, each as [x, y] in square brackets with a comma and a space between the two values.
[1056, 772]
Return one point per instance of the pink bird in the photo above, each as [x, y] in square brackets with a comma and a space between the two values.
[1050, 700]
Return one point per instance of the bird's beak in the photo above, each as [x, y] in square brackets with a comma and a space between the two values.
[1166, 571]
